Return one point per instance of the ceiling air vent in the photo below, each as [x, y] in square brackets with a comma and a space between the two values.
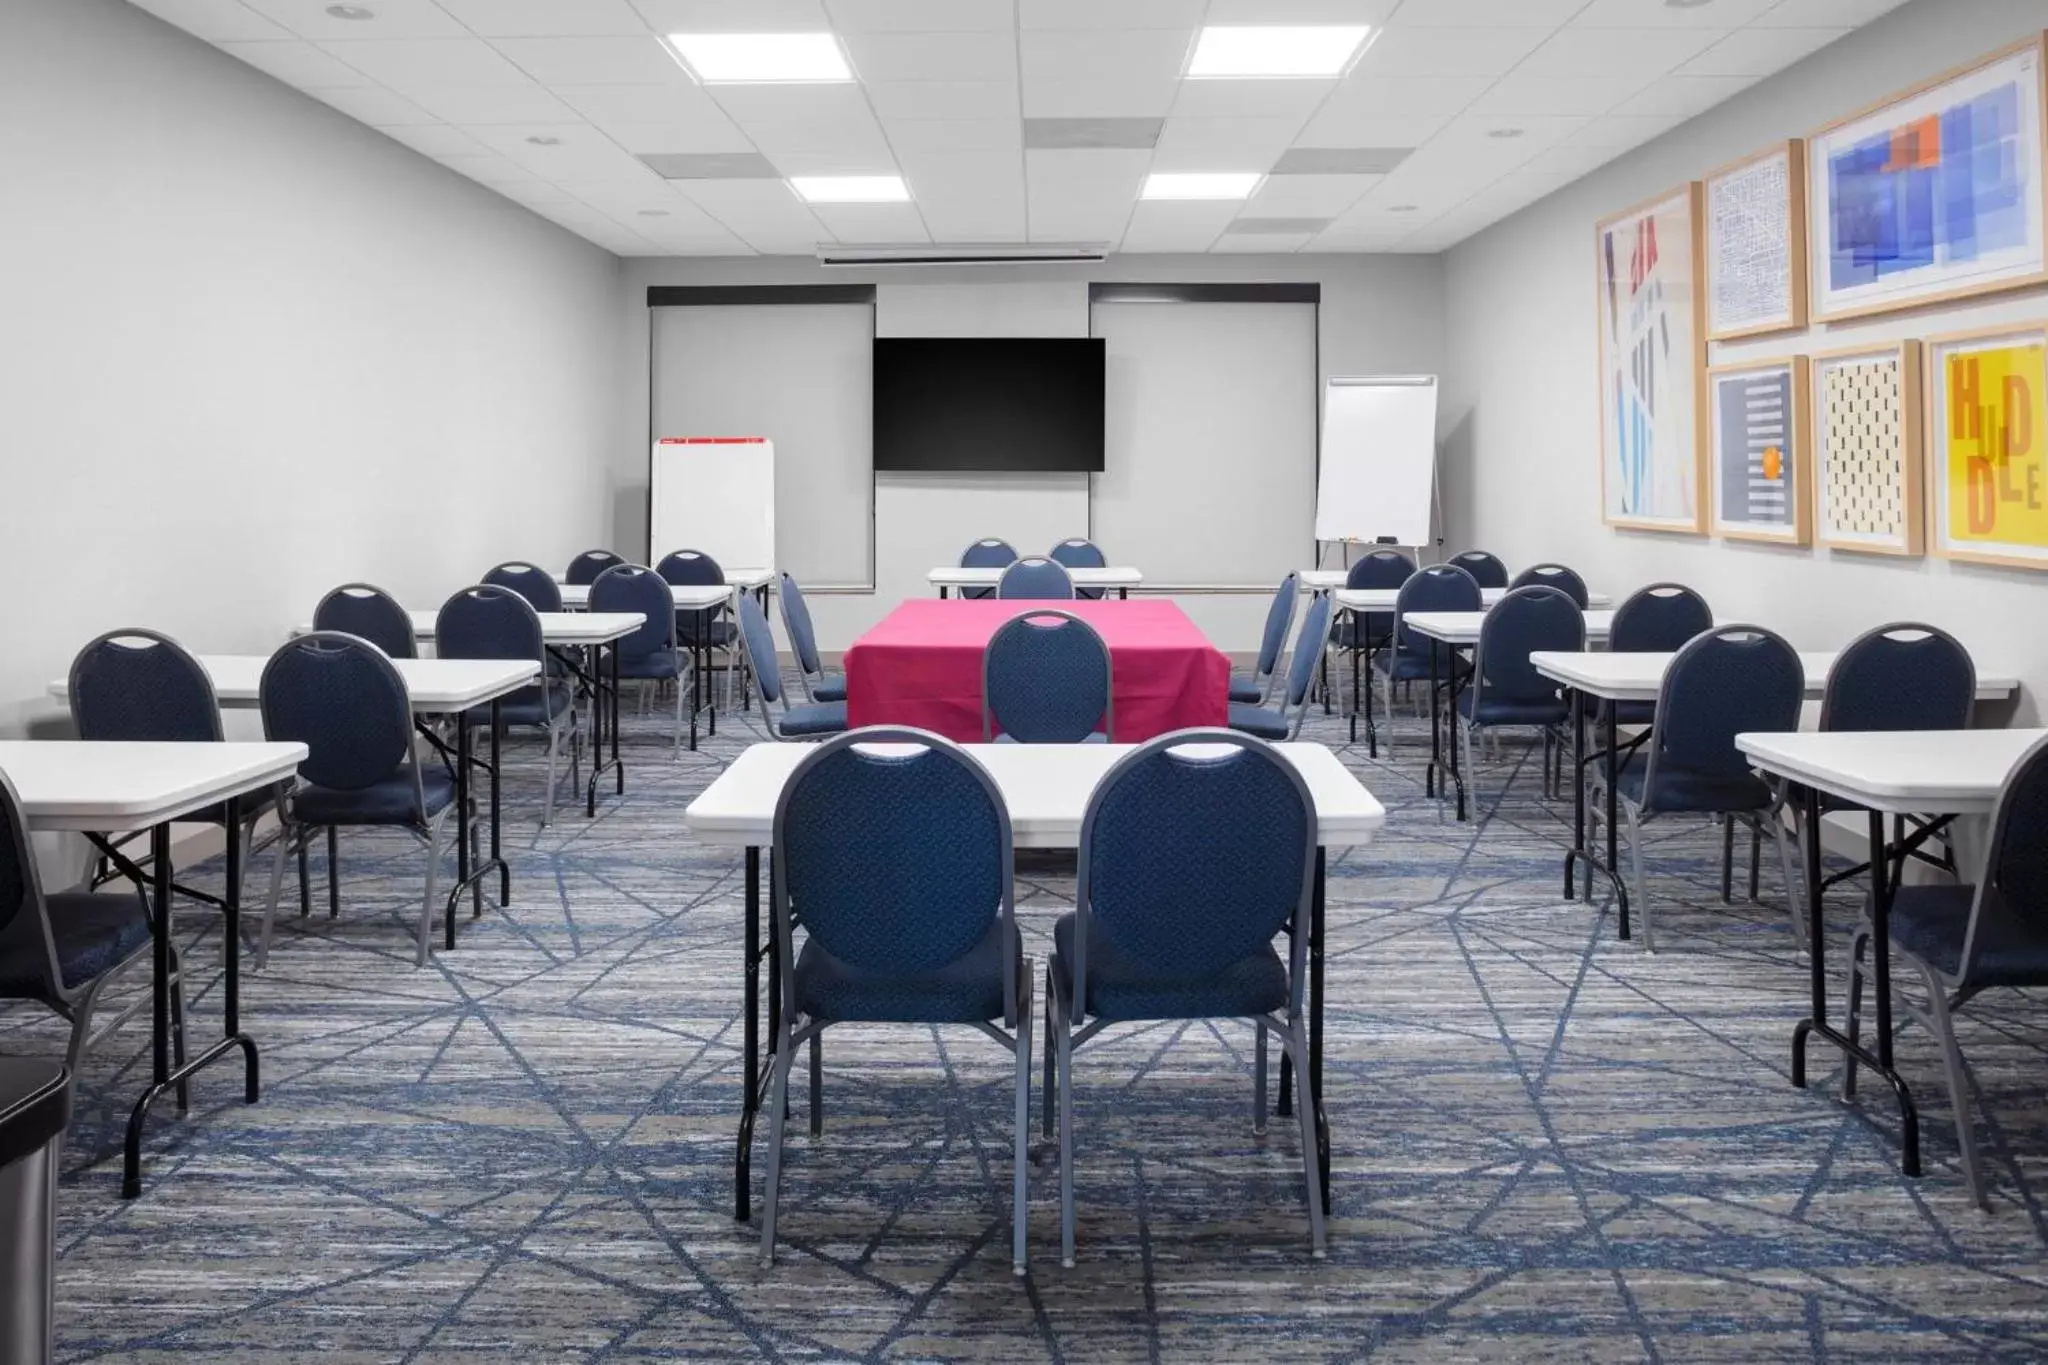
[971, 253]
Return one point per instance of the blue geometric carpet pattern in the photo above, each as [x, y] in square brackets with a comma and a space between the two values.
[1548, 1144]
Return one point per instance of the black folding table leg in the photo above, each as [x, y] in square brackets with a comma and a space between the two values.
[750, 1087]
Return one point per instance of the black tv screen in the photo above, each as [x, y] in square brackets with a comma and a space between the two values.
[995, 403]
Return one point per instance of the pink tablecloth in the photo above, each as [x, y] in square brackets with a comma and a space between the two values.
[921, 665]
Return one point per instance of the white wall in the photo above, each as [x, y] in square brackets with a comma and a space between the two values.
[1522, 455]
[1379, 314]
[250, 348]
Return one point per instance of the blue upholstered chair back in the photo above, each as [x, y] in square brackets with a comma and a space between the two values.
[759, 642]
[1279, 616]
[1526, 620]
[988, 553]
[370, 613]
[530, 581]
[1658, 619]
[894, 861]
[21, 891]
[584, 568]
[1566, 581]
[1192, 860]
[1904, 676]
[1045, 679]
[2017, 868]
[340, 697]
[1380, 569]
[488, 621]
[1036, 578]
[1440, 587]
[1486, 569]
[630, 587]
[690, 569]
[796, 621]
[141, 685]
[1077, 553]
[1724, 681]
[1308, 651]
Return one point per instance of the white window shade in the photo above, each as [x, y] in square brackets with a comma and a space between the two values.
[1210, 465]
[801, 375]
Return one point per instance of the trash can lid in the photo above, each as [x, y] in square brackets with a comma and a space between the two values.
[35, 1104]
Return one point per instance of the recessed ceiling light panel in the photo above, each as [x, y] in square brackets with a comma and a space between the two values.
[850, 189]
[1201, 184]
[1252, 53]
[762, 58]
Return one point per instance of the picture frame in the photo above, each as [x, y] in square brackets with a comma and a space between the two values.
[1757, 416]
[1755, 221]
[1901, 212]
[1987, 445]
[1649, 292]
[1867, 449]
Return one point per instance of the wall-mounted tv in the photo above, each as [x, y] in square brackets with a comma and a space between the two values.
[993, 403]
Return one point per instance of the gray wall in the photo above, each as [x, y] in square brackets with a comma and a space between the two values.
[253, 349]
[1523, 448]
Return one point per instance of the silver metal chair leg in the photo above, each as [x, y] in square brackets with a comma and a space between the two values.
[1064, 1037]
[1259, 1080]
[778, 1101]
[1958, 1083]
[1792, 882]
[1020, 1155]
[817, 1051]
[1305, 1110]
[1637, 885]
[284, 844]
[547, 809]
[1049, 1082]
[676, 731]
[1852, 1025]
[434, 831]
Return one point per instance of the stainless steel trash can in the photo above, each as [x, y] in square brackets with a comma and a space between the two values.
[35, 1106]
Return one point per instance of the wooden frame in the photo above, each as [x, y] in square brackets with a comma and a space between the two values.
[1818, 202]
[1793, 153]
[2026, 489]
[1686, 363]
[1796, 450]
[1912, 465]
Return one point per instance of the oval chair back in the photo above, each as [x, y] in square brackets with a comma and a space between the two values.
[796, 623]
[25, 935]
[1904, 676]
[584, 568]
[1658, 619]
[990, 552]
[1046, 679]
[140, 684]
[1279, 616]
[488, 621]
[1309, 644]
[690, 569]
[1486, 569]
[1036, 578]
[1724, 681]
[342, 698]
[1192, 861]
[1523, 622]
[633, 587]
[1077, 552]
[1379, 569]
[1440, 587]
[1565, 580]
[530, 581]
[370, 613]
[759, 642]
[2016, 869]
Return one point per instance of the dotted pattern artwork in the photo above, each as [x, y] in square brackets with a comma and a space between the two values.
[1862, 450]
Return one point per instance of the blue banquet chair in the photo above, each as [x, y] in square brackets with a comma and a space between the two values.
[493, 622]
[987, 553]
[803, 720]
[1504, 688]
[1266, 671]
[1284, 720]
[1046, 679]
[803, 643]
[649, 655]
[1036, 578]
[369, 612]
[1077, 552]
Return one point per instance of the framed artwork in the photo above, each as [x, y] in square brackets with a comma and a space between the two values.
[1935, 194]
[1987, 445]
[1866, 455]
[1756, 244]
[1653, 356]
[1757, 413]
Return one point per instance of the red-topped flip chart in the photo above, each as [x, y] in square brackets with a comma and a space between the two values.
[715, 494]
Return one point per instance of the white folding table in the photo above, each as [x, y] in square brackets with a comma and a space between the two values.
[1121, 577]
[101, 788]
[1937, 773]
[1046, 788]
[1616, 677]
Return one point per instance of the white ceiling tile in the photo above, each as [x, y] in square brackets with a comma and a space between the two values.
[677, 100]
[437, 140]
[1722, 14]
[1308, 196]
[466, 104]
[623, 199]
[394, 19]
[1100, 97]
[1618, 132]
[1396, 130]
[1759, 52]
[299, 64]
[376, 106]
[1545, 14]
[1182, 14]
[1472, 137]
[926, 16]
[982, 222]
[856, 145]
[1825, 13]
[734, 16]
[535, 192]
[1681, 96]
[491, 169]
[956, 176]
[1572, 159]
[545, 18]
[578, 151]
[791, 103]
[1360, 100]
[842, 162]
[217, 21]
[1260, 243]
[1371, 12]
[1295, 99]
[1516, 95]
[410, 65]
[1609, 53]
[987, 56]
[944, 99]
[955, 135]
[644, 60]
[1141, 56]
[872, 224]
[1431, 52]
[647, 139]
[1222, 144]
[1082, 195]
[1176, 225]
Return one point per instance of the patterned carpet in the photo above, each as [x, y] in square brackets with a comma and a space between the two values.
[1548, 1144]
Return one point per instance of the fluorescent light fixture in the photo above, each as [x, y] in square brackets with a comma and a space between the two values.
[850, 189]
[1201, 184]
[762, 58]
[1289, 50]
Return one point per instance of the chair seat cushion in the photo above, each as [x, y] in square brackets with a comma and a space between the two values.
[662, 663]
[527, 706]
[1120, 988]
[829, 689]
[94, 933]
[1681, 790]
[387, 801]
[1930, 923]
[1246, 690]
[1511, 710]
[1262, 721]
[967, 989]
[814, 718]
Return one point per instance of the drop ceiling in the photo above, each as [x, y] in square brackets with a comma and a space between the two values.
[1020, 120]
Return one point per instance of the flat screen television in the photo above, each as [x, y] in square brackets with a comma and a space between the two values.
[988, 403]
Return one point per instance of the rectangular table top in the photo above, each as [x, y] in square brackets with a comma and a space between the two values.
[576, 596]
[734, 578]
[1384, 599]
[1636, 677]
[114, 787]
[556, 627]
[434, 685]
[1045, 786]
[1108, 576]
[1462, 627]
[1901, 772]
